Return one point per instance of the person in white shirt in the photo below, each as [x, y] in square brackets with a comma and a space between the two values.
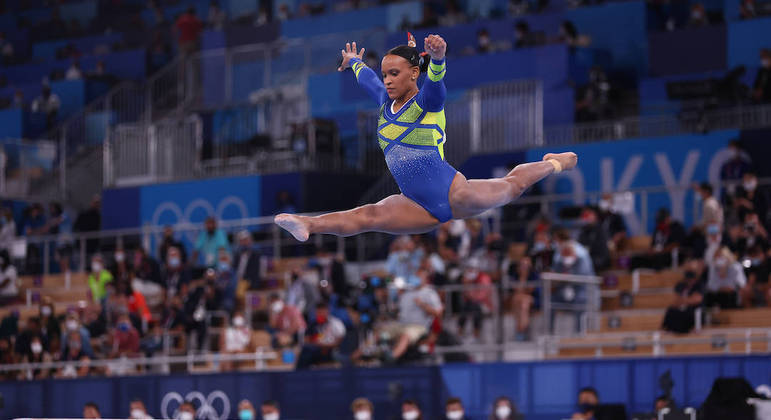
[7, 229]
[236, 339]
[725, 279]
[74, 72]
[322, 338]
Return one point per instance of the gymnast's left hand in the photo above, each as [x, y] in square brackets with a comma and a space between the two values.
[435, 46]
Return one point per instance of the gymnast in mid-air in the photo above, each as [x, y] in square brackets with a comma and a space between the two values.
[411, 133]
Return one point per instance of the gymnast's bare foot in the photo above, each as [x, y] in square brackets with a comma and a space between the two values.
[568, 160]
[294, 225]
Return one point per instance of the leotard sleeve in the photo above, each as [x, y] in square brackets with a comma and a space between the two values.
[432, 94]
[368, 80]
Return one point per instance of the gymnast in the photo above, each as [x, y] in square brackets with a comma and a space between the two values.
[411, 133]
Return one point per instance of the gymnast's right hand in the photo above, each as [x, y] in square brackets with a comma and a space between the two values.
[567, 160]
[348, 53]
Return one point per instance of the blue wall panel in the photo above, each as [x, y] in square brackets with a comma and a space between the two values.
[685, 51]
[120, 208]
[746, 39]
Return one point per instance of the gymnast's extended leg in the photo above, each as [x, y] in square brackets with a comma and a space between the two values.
[471, 197]
[395, 214]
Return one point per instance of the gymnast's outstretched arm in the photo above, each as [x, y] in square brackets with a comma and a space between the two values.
[366, 77]
[432, 94]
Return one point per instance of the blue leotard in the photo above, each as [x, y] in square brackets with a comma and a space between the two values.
[413, 138]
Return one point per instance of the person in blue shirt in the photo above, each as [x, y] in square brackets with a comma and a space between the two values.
[411, 133]
[209, 243]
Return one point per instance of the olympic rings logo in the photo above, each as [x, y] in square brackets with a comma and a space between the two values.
[205, 409]
[183, 217]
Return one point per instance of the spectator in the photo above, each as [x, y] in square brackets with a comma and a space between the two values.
[125, 338]
[59, 223]
[90, 220]
[49, 324]
[72, 324]
[711, 210]
[541, 250]
[91, 411]
[169, 241]
[25, 337]
[47, 103]
[689, 294]
[286, 323]
[75, 353]
[595, 98]
[227, 283]
[761, 88]
[571, 257]
[750, 197]
[411, 410]
[208, 244]
[283, 12]
[175, 275]
[216, 19]
[204, 297]
[9, 279]
[726, 278]
[523, 298]
[236, 339]
[523, 38]
[247, 263]
[323, 336]
[332, 269]
[667, 236]
[594, 238]
[188, 28]
[753, 233]
[18, 100]
[404, 259]
[6, 50]
[153, 341]
[270, 410]
[7, 228]
[454, 409]
[136, 303]
[246, 411]
[34, 222]
[612, 223]
[736, 166]
[569, 35]
[145, 266]
[74, 72]
[477, 299]
[36, 354]
[362, 409]
[484, 43]
[588, 401]
[747, 10]
[757, 269]
[98, 278]
[490, 255]
[138, 411]
[662, 402]
[120, 270]
[186, 411]
[698, 16]
[504, 409]
[418, 308]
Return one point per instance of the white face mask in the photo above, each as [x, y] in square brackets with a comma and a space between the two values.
[238, 322]
[569, 260]
[72, 324]
[750, 185]
[270, 416]
[410, 415]
[96, 267]
[119, 257]
[503, 411]
[277, 306]
[604, 205]
[185, 415]
[45, 310]
[138, 414]
[362, 415]
[455, 414]
[721, 262]
[36, 348]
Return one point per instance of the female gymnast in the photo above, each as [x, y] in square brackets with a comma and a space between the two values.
[411, 134]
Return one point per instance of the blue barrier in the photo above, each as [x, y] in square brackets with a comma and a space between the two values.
[129, 64]
[541, 390]
[72, 94]
[12, 123]
[47, 50]
[237, 8]
[83, 11]
[746, 39]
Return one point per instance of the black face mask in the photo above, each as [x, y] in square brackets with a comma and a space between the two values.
[585, 407]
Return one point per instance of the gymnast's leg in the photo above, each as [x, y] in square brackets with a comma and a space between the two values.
[395, 214]
[471, 197]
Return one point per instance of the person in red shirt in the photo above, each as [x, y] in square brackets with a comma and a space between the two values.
[188, 28]
[125, 338]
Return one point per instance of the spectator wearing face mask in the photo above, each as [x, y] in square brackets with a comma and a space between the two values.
[738, 164]
[453, 409]
[170, 241]
[362, 409]
[175, 273]
[36, 354]
[9, 279]
[484, 43]
[98, 278]
[270, 410]
[611, 222]
[749, 197]
[698, 16]
[246, 410]
[761, 89]
[411, 410]
[668, 235]
[91, 411]
[477, 300]
[247, 261]
[689, 294]
[724, 281]
[74, 353]
[594, 238]
[504, 409]
[186, 411]
[236, 339]
[757, 268]
[72, 324]
[285, 322]
[588, 401]
[125, 338]
[404, 259]
[322, 339]
[138, 411]
[227, 282]
[209, 243]
[571, 257]
[49, 325]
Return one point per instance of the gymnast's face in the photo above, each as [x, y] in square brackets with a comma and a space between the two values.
[399, 77]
